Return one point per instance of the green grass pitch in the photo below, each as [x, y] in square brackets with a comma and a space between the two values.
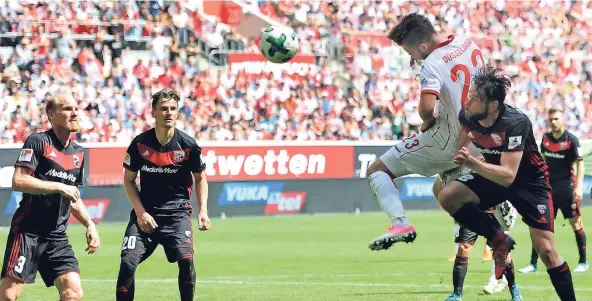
[306, 257]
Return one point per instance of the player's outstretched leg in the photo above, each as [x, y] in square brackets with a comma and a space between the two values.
[380, 178]
[532, 266]
[557, 268]
[126, 278]
[10, 289]
[186, 278]
[576, 224]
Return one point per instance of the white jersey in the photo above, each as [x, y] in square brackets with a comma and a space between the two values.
[447, 73]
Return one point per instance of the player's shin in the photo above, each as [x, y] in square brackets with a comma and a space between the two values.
[186, 278]
[561, 279]
[509, 273]
[388, 197]
[459, 271]
[581, 241]
[126, 279]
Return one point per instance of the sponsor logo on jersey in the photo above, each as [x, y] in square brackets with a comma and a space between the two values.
[159, 169]
[554, 155]
[488, 151]
[61, 174]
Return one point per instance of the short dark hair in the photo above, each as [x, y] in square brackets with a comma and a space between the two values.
[165, 93]
[492, 84]
[413, 29]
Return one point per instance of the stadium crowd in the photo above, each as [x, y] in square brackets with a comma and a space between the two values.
[543, 45]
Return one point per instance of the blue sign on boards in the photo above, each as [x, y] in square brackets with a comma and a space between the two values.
[417, 189]
[237, 193]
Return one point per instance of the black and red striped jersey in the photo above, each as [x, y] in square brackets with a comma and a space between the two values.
[511, 132]
[560, 155]
[46, 215]
[165, 171]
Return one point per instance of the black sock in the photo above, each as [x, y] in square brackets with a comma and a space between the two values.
[561, 279]
[471, 217]
[186, 279]
[459, 271]
[534, 257]
[509, 273]
[581, 241]
[125, 280]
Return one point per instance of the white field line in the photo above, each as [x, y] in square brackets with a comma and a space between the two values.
[249, 281]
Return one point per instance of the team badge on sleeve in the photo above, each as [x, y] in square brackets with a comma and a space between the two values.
[26, 155]
[515, 141]
[127, 159]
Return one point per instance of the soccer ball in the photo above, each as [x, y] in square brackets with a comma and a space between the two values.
[278, 44]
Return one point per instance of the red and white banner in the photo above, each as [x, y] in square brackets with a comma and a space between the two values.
[96, 210]
[243, 163]
[286, 203]
[256, 63]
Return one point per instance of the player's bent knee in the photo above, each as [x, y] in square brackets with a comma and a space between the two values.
[376, 166]
[9, 295]
[129, 263]
[437, 187]
[464, 249]
[186, 263]
[576, 222]
[10, 289]
[69, 287]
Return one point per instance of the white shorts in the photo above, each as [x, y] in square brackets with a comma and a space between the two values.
[419, 154]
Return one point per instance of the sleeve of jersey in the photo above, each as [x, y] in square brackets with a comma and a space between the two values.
[430, 83]
[32, 151]
[80, 178]
[516, 136]
[132, 160]
[576, 149]
[196, 163]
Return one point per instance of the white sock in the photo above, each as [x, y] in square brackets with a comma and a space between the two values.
[388, 197]
[492, 277]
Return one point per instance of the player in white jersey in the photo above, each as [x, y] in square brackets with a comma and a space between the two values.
[448, 63]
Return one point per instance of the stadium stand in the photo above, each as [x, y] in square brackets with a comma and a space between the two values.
[113, 54]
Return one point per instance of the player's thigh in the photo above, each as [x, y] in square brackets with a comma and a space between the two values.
[69, 286]
[417, 154]
[177, 239]
[475, 189]
[137, 243]
[58, 259]
[21, 257]
[563, 201]
[533, 202]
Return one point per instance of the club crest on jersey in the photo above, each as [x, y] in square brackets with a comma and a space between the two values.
[76, 161]
[563, 145]
[179, 155]
[542, 209]
[497, 139]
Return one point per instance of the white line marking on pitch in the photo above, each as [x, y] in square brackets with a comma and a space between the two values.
[304, 283]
